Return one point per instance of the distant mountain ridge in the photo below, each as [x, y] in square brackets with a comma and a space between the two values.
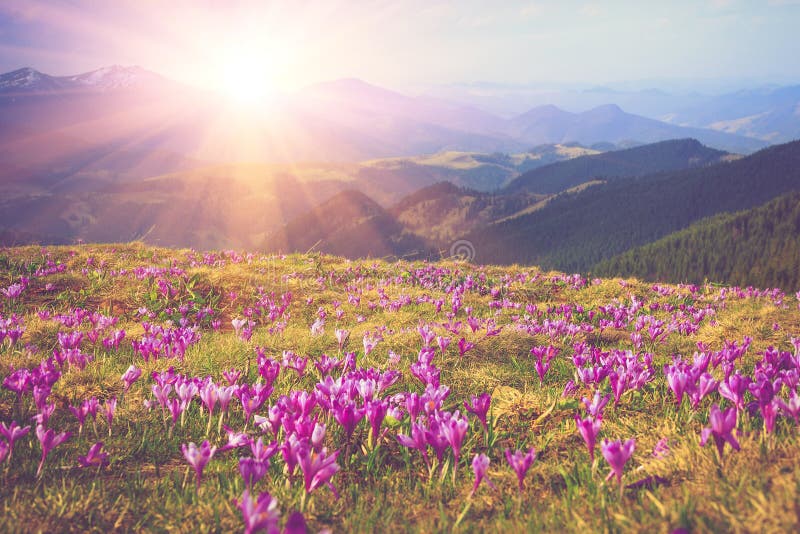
[341, 121]
[657, 157]
[28, 80]
[768, 112]
[518, 225]
[611, 124]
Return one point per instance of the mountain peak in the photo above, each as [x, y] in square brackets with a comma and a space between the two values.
[606, 109]
[29, 80]
[20, 78]
[112, 77]
[542, 112]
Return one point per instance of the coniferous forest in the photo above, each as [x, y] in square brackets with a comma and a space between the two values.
[760, 246]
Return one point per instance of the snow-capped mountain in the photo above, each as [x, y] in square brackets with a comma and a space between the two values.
[28, 80]
[114, 77]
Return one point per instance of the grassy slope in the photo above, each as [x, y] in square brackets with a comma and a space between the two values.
[148, 485]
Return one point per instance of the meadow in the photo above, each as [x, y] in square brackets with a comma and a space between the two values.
[150, 389]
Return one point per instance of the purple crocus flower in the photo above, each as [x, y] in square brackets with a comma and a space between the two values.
[677, 379]
[224, 396]
[417, 440]
[543, 355]
[376, 412]
[454, 430]
[13, 291]
[596, 406]
[114, 340]
[705, 385]
[479, 406]
[661, 450]
[253, 400]
[91, 406]
[443, 343]
[464, 346]
[791, 407]
[734, 388]
[232, 376]
[317, 467]
[436, 438]
[252, 470]
[95, 457]
[769, 412]
[109, 408]
[480, 466]
[369, 344]
[198, 457]
[185, 390]
[260, 514]
[588, 428]
[235, 439]
[209, 397]
[130, 376]
[161, 393]
[722, 425]
[18, 381]
[521, 462]
[326, 364]
[238, 324]
[617, 455]
[12, 433]
[40, 395]
[341, 337]
[269, 368]
[175, 409]
[80, 414]
[49, 440]
[43, 416]
[318, 435]
[296, 524]
[263, 452]
[289, 450]
[348, 414]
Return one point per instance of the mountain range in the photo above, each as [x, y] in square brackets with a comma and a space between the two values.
[581, 227]
[769, 113]
[345, 167]
[130, 109]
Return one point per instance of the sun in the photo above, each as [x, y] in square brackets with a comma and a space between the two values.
[247, 79]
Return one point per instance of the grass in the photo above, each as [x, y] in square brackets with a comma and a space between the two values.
[148, 485]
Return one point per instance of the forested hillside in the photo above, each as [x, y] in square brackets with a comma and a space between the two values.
[760, 246]
[576, 231]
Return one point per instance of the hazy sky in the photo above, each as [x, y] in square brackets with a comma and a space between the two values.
[405, 43]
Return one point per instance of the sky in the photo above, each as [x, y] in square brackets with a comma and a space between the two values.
[403, 43]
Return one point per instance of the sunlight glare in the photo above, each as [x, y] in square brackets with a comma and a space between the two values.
[247, 79]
